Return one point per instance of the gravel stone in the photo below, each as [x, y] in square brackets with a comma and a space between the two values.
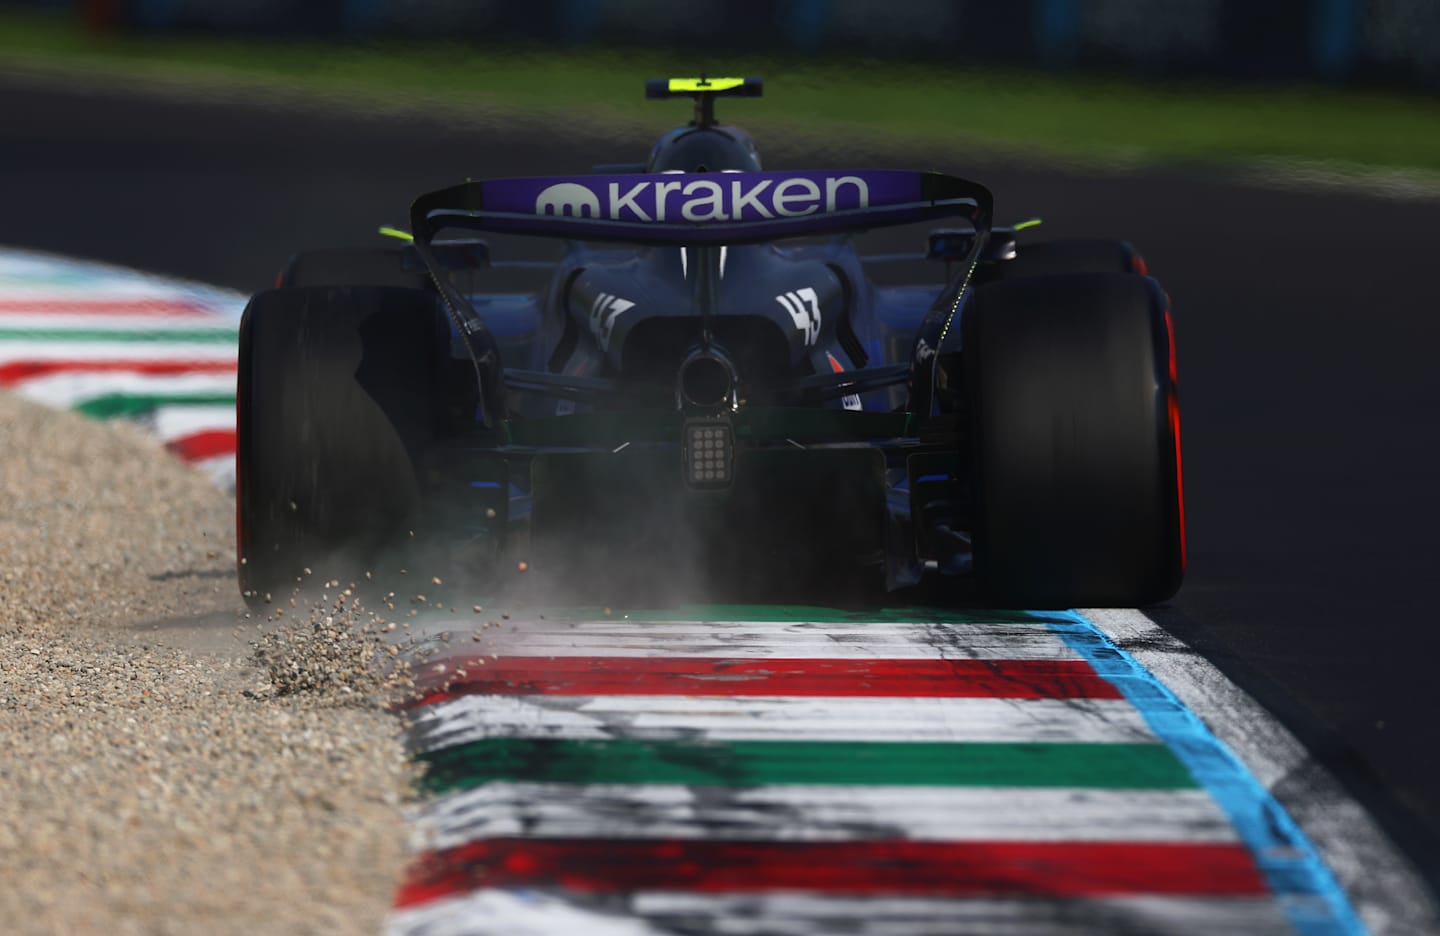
[155, 775]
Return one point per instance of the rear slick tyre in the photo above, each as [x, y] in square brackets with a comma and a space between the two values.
[335, 407]
[1075, 422]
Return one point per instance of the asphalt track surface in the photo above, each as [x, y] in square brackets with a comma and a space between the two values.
[1306, 322]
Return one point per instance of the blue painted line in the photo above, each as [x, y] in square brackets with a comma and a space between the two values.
[1312, 900]
[485, 484]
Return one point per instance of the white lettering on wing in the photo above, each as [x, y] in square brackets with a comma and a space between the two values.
[707, 195]
[619, 202]
[808, 192]
[832, 191]
[707, 199]
[741, 199]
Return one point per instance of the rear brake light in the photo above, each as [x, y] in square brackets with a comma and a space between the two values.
[709, 454]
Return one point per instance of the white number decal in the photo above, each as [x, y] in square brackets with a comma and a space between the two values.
[603, 313]
[804, 308]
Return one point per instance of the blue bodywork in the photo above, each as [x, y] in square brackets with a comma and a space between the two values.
[568, 326]
[531, 327]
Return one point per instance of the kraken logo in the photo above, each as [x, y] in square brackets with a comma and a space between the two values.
[568, 198]
[684, 199]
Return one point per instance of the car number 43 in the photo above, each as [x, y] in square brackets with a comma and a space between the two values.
[804, 308]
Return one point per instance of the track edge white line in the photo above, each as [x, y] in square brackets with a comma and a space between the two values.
[1385, 890]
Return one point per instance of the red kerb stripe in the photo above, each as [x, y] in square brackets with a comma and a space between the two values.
[943, 869]
[702, 676]
[204, 444]
[142, 308]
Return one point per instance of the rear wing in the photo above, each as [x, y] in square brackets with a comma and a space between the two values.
[700, 209]
[696, 210]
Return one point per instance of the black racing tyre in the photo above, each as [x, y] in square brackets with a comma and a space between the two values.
[1050, 258]
[345, 266]
[1075, 437]
[337, 401]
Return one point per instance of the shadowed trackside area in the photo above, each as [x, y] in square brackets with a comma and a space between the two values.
[1305, 327]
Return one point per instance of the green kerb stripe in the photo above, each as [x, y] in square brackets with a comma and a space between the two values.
[129, 405]
[758, 763]
[168, 335]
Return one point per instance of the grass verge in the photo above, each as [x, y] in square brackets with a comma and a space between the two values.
[1046, 117]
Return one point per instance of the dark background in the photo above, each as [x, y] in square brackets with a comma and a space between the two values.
[1391, 42]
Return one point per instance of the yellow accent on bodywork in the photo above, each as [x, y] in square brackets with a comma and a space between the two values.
[396, 233]
[692, 85]
[1033, 222]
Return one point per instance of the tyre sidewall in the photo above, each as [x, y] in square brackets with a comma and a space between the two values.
[1073, 408]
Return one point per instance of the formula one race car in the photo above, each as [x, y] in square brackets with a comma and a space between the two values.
[708, 383]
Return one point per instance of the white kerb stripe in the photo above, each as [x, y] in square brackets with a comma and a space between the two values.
[25, 272]
[173, 422]
[522, 913]
[781, 639]
[777, 718]
[817, 813]
[41, 286]
[31, 350]
[72, 389]
[220, 469]
[811, 915]
[515, 913]
[129, 325]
